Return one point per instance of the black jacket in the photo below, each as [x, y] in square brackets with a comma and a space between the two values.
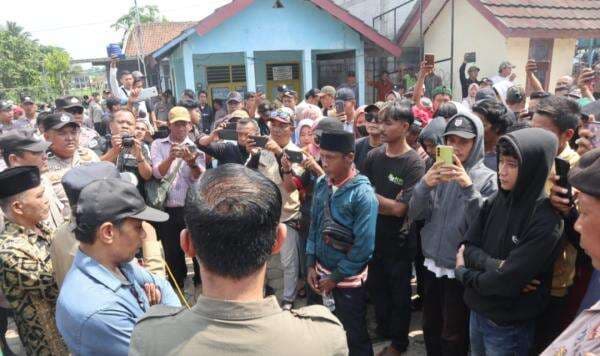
[464, 81]
[516, 238]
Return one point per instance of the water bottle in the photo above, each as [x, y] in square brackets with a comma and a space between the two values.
[328, 301]
[114, 49]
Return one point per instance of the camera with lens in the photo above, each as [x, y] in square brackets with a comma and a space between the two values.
[127, 140]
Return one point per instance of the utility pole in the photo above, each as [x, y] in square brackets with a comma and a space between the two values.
[140, 49]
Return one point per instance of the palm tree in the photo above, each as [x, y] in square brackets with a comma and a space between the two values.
[15, 30]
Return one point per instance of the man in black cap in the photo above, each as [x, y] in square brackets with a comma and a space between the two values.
[235, 101]
[62, 131]
[106, 291]
[88, 137]
[264, 113]
[250, 103]
[393, 168]
[229, 152]
[345, 98]
[21, 148]
[342, 238]
[373, 140]
[64, 245]
[206, 113]
[289, 99]
[585, 177]
[7, 121]
[26, 274]
[29, 111]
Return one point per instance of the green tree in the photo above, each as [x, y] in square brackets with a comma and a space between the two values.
[57, 70]
[148, 13]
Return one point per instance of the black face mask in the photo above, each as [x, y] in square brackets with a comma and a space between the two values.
[362, 131]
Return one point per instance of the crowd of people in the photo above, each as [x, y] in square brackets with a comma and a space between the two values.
[491, 201]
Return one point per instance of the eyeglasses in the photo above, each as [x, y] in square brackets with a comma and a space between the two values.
[371, 117]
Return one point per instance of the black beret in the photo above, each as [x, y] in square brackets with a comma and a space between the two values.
[337, 141]
[585, 176]
[18, 180]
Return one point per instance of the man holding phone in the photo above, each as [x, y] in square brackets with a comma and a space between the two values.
[268, 161]
[446, 199]
[226, 151]
[345, 104]
[473, 72]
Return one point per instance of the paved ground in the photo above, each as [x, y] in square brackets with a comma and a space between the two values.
[416, 348]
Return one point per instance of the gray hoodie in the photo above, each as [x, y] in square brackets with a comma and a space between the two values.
[448, 209]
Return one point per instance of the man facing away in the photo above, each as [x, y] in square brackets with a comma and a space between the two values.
[232, 219]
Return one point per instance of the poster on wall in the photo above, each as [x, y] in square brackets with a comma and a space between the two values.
[282, 73]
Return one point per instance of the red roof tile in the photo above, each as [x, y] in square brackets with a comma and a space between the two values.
[552, 18]
[154, 35]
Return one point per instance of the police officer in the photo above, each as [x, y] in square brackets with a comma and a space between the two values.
[232, 217]
[62, 131]
[21, 148]
[7, 115]
[26, 274]
[88, 137]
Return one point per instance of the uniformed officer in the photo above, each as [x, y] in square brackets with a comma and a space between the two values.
[88, 138]
[7, 121]
[26, 274]
[233, 225]
[20, 147]
[64, 245]
[62, 131]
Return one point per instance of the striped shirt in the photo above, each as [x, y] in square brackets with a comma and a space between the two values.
[183, 180]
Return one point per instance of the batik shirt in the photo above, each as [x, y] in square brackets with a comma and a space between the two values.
[27, 280]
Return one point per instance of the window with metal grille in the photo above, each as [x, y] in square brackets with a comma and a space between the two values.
[295, 69]
[226, 74]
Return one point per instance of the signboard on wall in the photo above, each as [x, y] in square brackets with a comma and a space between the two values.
[282, 73]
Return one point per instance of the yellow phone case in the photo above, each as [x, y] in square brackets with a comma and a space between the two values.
[444, 154]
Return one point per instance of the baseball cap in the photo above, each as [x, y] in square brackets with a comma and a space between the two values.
[505, 64]
[80, 177]
[22, 140]
[441, 90]
[18, 180]
[137, 74]
[377, 106]
[345, 94]
[290, 93]
[327, 90]
[110, 200]
[460, 126]
[585, 176]
[312, 92]
[283, 114]
[234, 96]
[27, 100]
[515, 94]
[179, 113]
[5, 105]
[240, 114]
[67, 102]
[57, 121]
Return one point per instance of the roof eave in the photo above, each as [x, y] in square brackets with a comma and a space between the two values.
[172, 43]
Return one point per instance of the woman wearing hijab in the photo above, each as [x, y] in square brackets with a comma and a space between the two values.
[360, 128]
[506, 261]
[469, 101]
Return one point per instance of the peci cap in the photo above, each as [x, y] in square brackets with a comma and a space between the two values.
[112, 199]
[22, 140]
[337, 141]
[345, 94]
[284, 115]
[67, 102]
[179, 113]
[18, 180]
[505, 64]
[234, 96]
[460, 126]
[585, 176]
[57, 121]
[5, 105]
[79, 177]
[240, 114]
[327, 90]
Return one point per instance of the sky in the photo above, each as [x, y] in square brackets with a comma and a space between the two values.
[83, 27]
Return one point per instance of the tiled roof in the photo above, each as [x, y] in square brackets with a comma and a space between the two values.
[154, 35]
[554, 18]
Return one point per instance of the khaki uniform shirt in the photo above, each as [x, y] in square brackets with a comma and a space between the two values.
[64, 247]
[582, 337]
[27, 280]
[57, 167]
[218, 327]
[59, 211]
[269, 167]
